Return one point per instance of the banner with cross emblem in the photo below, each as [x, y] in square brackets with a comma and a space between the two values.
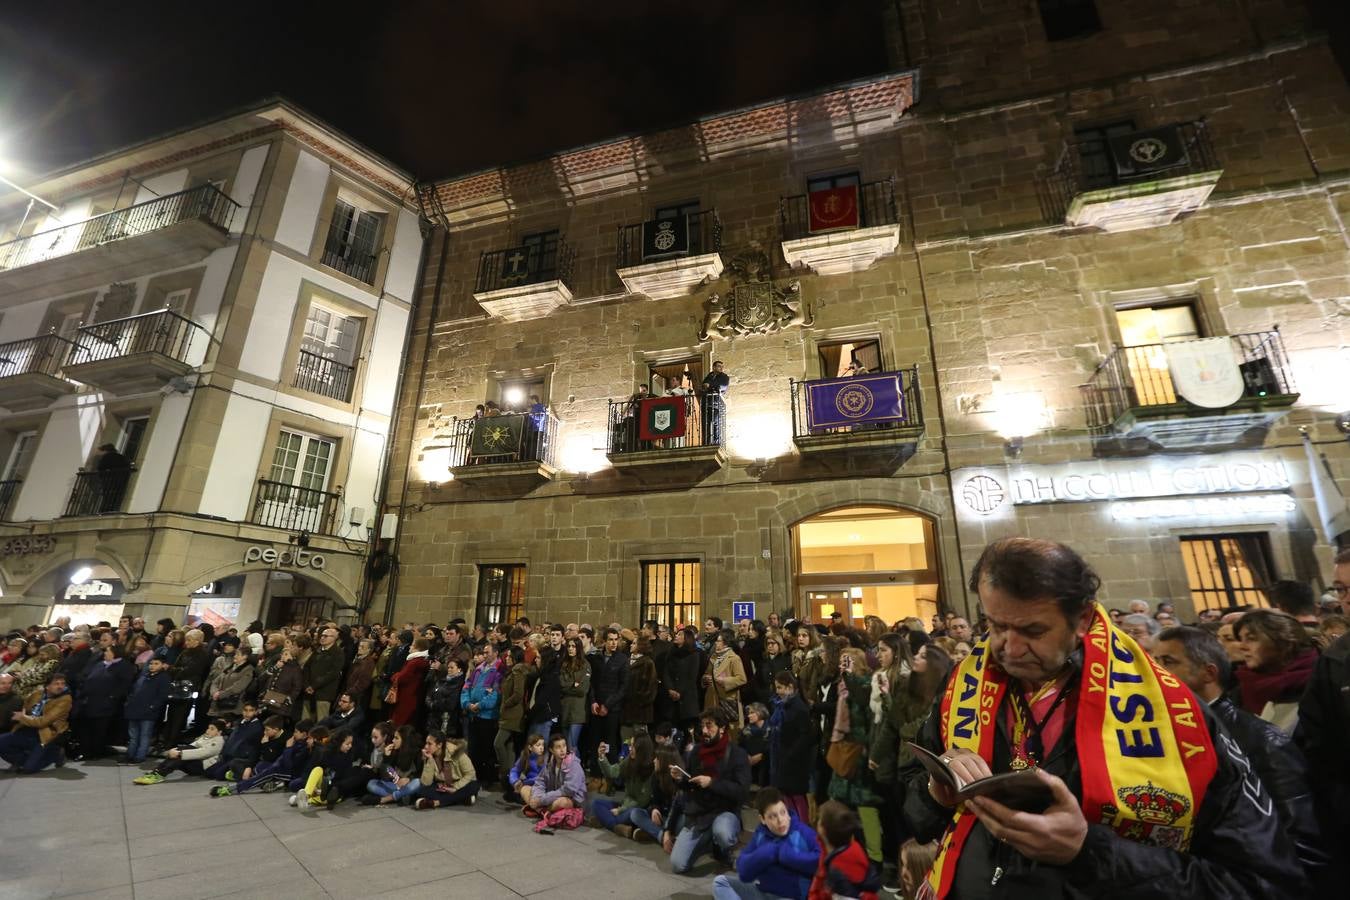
[836, 402]
[1143, 152]
[832, 209]
[665, 237]
[516, 265]
[496, 436]
[661, 417]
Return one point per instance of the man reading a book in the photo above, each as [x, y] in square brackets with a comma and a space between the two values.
[1145, 795]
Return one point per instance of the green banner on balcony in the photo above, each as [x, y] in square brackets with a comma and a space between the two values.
[497, 436]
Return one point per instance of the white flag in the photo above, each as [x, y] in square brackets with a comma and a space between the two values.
[1205, 372]
[1332, 513]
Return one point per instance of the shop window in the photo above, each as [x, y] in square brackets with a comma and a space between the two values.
[1067, 19]
[839, 359]
[501, 594]
[672, 592]
[1227, 570]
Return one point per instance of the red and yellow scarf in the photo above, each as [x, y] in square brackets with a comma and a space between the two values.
[1143, 747]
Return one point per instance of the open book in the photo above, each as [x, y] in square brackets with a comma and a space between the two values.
[1021, 790]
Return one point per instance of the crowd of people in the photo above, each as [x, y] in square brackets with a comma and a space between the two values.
[1164, 758]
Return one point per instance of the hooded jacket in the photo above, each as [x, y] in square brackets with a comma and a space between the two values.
[148, 696]
[555, 780]
[846, 872]
[781, 866]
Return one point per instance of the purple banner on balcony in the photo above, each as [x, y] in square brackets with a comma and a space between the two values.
[839, 402]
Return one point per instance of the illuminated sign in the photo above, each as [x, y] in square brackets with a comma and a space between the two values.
[295, 559]
[1204, 507]
[94, 591]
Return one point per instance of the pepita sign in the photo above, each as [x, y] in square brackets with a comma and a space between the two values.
[295, 559]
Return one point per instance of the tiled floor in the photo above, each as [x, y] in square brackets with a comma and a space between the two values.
[86, 831]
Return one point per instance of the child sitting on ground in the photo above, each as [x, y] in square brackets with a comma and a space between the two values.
[915, 861]
[562, 782]
[448, 778]
[272, 776]
[193, 759]
[319, 736]
[402, 764]
[326, 766]
[781, 857]
[844, 867]
[636, 773]
[241, 747]
[521, 778]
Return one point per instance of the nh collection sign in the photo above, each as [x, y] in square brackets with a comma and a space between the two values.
[986, 492]
[286, 559]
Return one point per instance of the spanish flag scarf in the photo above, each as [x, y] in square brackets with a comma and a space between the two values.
[1144, 750]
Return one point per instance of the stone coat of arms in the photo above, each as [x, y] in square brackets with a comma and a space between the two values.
[755, 304]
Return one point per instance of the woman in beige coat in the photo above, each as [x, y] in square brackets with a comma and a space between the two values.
[724, 679]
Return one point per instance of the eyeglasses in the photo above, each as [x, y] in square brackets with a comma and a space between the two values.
[1340, 590]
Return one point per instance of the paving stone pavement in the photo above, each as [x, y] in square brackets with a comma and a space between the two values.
[86, 831]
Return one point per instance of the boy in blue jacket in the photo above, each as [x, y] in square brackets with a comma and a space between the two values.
[780, 859]
[144, 708]
[241, 747]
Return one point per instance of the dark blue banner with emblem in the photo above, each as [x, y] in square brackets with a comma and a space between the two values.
[665, 237]
[838, 402]
[496, 435]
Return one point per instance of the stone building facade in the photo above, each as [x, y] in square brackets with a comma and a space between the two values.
[1032, 287]
[227, 307]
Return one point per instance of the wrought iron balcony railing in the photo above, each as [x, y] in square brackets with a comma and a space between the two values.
[538, 440]
[1134, 378]
[323, 376]
[99, 493]
[705, 425]
[1077, 172]
[293, 508]
[705, 236]
[163, 331]
[528, 264]
[876, 206]
[805, 426]
[204, 202]
[44, 355]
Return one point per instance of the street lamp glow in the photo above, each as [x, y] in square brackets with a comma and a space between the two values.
[81, 575]
[514, 395]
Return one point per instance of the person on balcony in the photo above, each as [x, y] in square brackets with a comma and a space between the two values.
[714, 390]
[114, 471]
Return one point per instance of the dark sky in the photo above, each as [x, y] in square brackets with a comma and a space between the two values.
[439, 87]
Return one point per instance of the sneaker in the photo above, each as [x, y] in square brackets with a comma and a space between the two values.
[624, 831]
[229, 776]
[370, 800]
[473, 798]
[148, 778]
[424, 803]
[223, 790]
[293, 799]
[314, 799]
[270, 786]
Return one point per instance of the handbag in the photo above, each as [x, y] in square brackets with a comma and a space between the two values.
[276, 700]
[181, 690]
[844, 754]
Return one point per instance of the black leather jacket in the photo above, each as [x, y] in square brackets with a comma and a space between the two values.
[1284, 773]
[1323, 733]
[1238, 847]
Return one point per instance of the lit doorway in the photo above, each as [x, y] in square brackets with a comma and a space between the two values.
[866, 561]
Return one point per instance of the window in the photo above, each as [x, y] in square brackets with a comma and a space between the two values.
[842, 358]
[301, 460]
[1143, 331]
[353, 241]
[672, 592]
[329, 345]
[514, 395]
[132, 440]
[687, 208]
[1226, 570]
[177, 301]
[663, 377]
[21, 456]
[1066, 19]
[542, 249]
[501, 593]
[1094, 152]
[825, 182]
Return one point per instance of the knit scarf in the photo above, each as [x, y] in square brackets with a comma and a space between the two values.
[710, 755]
[1145, 754]
[1260, 688]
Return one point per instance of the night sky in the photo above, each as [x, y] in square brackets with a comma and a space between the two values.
[438, 87]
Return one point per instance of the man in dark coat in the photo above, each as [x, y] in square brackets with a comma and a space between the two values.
[323, 673]
[793, 742]
[114, 470]
[10, 701]
[547, 707]
[609, 684]
[1199, 660]
[719, 779]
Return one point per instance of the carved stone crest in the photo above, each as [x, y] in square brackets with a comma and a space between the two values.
[755, 304]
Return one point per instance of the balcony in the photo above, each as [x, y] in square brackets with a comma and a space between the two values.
[136, 354]
[846, 419]
[527, 282]
[164, 233]
[99, 493]
[865, 233]
[1134, 405]
[510, 448]
[30, 372]
[1150, 179]
[291, 507]
[669, 258]
[325, 377]
[698, 448]
[9, 489]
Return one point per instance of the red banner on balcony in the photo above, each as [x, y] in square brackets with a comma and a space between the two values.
[661, 417]
[832, 209]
